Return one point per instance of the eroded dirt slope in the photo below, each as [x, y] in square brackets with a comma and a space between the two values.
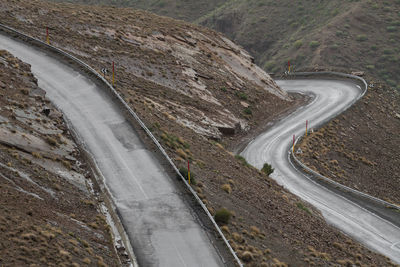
[48, 215]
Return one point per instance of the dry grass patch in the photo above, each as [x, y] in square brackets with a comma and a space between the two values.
[227, 188]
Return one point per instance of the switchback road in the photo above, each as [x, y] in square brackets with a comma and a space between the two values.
[330, 98]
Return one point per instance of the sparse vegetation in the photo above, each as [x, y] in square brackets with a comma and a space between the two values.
[302, 207]
[248, 111]
[222, 216]
[242, 95]
[253, 191]
[314, 44]
[267, 169]
[298, 44]
[51, 141]
[361, 38]
[184, 172]
[227, 188]
[242, 160]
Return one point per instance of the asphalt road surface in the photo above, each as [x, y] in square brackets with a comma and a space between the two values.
[330, 98]
[162, 229]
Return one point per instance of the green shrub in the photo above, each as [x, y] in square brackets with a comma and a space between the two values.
[302, 207]
[298, 44]
[243, 160]
[340, 33]
[267, 169]
[361, 38]
[241, 95]
[314, 44]
[391, 28]
[222, 216]
[387, 51]
[335, 46]
[184, 172]
[248, 111]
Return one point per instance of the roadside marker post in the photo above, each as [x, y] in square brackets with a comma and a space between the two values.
[188, 171]
[113, 74]
[288, 63]
[47, 36]
[104, 71]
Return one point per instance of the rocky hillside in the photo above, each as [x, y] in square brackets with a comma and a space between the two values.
[184, 10]
[195, 90]
[185, 73]
[48, 214]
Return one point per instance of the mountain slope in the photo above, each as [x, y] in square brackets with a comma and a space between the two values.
[340, 34]
[185, 10]
[189, 84]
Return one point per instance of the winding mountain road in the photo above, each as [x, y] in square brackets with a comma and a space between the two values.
[162, 227]
[330, 97]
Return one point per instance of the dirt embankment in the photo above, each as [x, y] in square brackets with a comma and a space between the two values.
[360, 148]
[48, 211]
[192, 87]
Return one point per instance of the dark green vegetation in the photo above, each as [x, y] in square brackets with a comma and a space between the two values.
[341, 34]
[185, 173]
[302, 207]
[222, 216]
[267, 169]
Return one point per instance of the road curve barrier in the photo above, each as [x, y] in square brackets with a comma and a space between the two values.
[92, 72]
[364, 88]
